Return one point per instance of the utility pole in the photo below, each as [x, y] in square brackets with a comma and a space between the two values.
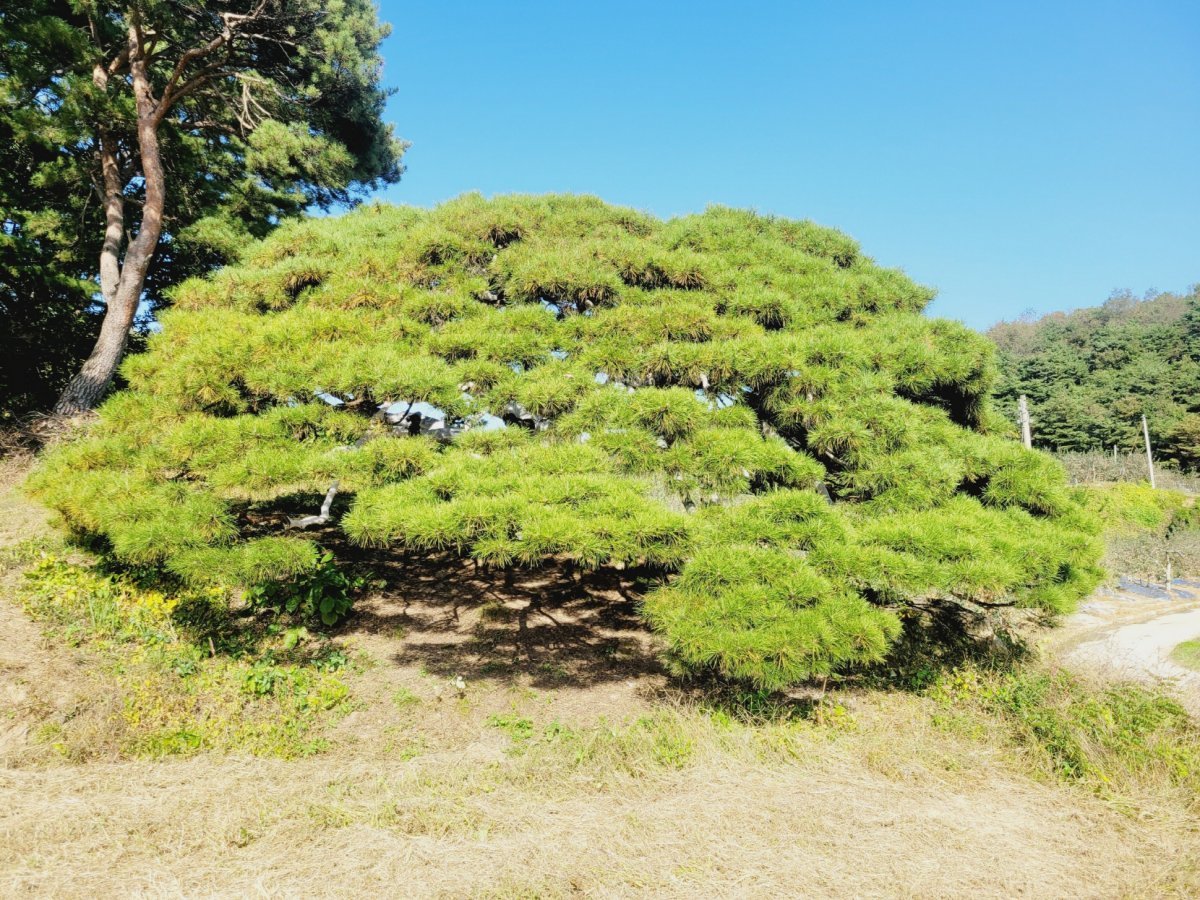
[1149, 455]
[1026, 431]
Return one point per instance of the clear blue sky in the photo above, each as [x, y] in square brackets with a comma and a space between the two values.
[1015, 155]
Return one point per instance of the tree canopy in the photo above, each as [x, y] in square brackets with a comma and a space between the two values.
[146, 141]
[747, 405]
[45, 328]
[1091, 374]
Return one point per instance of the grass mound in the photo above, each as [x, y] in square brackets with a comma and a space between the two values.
[747, 404]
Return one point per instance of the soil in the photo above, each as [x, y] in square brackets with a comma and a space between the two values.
[427, 800]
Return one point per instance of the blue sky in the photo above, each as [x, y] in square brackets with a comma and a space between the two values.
[1014, 155]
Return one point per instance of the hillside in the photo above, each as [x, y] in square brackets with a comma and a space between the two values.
[1091, 374]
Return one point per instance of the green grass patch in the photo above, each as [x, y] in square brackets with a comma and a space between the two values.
[191, 677]
[1187, 654]
[753, 726]
[1124, 741]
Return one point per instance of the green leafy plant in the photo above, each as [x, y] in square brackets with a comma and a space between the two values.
[748, 410]
[324, 593]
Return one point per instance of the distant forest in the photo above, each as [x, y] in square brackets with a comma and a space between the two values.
[1091, 374]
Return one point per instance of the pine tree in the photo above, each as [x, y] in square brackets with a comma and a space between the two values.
[748, 405]
[151, 139]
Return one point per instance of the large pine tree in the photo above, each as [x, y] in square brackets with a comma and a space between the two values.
[747, 405]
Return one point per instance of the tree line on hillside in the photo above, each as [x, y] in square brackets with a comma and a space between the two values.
[1090, 375]
[142, 142]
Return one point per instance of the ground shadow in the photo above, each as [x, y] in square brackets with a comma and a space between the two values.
[553, 624]
[944, 635]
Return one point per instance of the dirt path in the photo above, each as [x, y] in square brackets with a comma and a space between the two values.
[1128, 632]
[34, 680]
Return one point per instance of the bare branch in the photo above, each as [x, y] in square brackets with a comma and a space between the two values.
[231, 26]
[170, 93]
[190, 87]
[323, 516]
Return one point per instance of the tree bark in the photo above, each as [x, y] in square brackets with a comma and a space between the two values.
[121, 281]
[114, 218]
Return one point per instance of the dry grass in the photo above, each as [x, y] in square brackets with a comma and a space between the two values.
[1097, 467]
[19, 518]
[861, 815]
[567, 764]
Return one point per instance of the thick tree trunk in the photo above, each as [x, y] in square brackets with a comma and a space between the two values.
[85, 391]
[121, 282]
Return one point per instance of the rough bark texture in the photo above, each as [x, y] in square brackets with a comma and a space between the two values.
[121, 281]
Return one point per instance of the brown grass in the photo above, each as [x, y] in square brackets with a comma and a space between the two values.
[568, 764]
[1098, 467]
[857, 818]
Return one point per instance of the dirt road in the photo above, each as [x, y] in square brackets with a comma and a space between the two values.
[1129, 631]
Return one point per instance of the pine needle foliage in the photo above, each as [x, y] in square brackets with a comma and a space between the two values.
[747, 404]
[1090, 375]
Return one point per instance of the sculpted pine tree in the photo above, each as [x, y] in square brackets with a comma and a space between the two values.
[746, 406]
[187, 119]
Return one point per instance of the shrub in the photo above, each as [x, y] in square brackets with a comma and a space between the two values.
[1148, 533]
[748, 405]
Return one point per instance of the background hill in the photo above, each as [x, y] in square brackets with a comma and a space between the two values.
[1091, 374]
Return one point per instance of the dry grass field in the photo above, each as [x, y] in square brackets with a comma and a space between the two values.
[527, 743]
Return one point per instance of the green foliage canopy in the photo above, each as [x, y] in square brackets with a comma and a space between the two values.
[747, 404]
[283, 115]
[1091, 374]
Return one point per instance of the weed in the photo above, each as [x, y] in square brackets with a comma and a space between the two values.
[330, 659]
[1187, 654]
[188, 679]
[404, 699]
[1116, 739]
[403, 744]
[323, 593]
[518, 728]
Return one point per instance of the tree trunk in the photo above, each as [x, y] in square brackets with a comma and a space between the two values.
[122, 292]
[85, 391]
